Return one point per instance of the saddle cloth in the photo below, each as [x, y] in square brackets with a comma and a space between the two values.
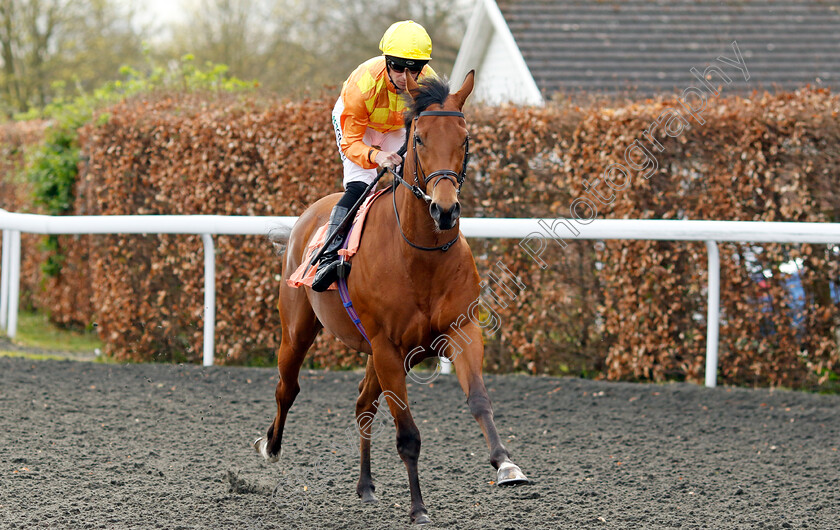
[301, 276]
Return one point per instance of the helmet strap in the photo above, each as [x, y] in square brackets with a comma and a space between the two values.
[388, 71]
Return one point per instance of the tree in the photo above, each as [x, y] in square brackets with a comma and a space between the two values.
[47, 41]
[292, 46]
[348, 31]
[250, 37]
[289, 46]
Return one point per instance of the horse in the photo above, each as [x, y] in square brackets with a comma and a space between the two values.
[413, 277]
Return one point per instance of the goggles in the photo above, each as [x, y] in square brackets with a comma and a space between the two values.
[399, 65]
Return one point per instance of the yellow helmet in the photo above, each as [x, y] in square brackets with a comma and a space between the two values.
[407, 39]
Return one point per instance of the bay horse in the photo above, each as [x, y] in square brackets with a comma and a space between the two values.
[406, 288]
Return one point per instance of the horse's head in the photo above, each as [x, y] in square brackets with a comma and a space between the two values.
[438, 144]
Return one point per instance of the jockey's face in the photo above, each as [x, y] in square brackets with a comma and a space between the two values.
[399, 77]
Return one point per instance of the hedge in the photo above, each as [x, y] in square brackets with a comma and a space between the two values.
[619, 309]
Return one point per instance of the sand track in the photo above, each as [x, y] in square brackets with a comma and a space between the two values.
[85, 445]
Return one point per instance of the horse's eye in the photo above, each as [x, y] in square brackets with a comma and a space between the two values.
[417, 140]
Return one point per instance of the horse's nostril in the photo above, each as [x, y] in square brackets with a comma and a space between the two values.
[456, 211]
[434, 211]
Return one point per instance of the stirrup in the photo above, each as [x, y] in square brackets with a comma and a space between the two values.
[342, 270]
[332, 272]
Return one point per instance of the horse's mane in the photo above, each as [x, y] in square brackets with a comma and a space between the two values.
[432, 90]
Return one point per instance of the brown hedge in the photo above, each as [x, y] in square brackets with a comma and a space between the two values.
[621, 309]
[188, 156]
[764, 158]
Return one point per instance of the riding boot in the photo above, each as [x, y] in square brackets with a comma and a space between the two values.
[328, 267]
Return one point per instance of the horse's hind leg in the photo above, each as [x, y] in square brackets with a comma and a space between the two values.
[366, 407]
[468, 369]
[299, 328]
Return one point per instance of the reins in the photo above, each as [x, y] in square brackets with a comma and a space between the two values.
[448, 174]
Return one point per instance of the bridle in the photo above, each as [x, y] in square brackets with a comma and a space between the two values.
[448, 174]
[456, 178]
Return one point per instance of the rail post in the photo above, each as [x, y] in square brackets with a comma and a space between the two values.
[5, 265]
[209, 298]
[713, 316]
[14, 283]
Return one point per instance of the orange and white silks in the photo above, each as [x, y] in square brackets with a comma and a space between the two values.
[369, 101]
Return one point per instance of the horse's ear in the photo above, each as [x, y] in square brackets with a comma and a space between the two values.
[466, 89]
[411, 86]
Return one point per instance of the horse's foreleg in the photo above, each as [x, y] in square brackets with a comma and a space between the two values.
[389, 367]
[366, 406]
[468, 369]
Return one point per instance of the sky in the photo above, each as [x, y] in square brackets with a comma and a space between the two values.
[162, 11]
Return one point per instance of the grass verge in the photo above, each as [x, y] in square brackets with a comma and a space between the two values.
[37, 338]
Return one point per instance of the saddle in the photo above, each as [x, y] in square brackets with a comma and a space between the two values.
[304, 274]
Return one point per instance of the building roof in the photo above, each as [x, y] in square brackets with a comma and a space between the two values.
[650, 45]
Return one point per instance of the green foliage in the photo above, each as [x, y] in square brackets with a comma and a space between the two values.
[53, 170]
[36, 331]
[55, 259]
[54, 167]
[73, 112]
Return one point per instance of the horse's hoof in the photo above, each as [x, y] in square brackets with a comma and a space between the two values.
[261, 445]
[422, 519]
[510, 474]
[369, 498]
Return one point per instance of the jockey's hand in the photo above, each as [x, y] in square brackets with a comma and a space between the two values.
[388, 159]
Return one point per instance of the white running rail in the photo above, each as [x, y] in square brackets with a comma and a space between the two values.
[525, 229]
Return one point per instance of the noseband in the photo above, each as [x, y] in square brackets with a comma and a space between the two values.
[457, 179]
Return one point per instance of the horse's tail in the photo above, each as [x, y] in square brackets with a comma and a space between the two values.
[279, 237]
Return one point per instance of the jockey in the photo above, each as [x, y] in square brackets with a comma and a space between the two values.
[368, 122]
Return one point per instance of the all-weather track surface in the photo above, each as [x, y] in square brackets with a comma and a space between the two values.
[87, 445]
